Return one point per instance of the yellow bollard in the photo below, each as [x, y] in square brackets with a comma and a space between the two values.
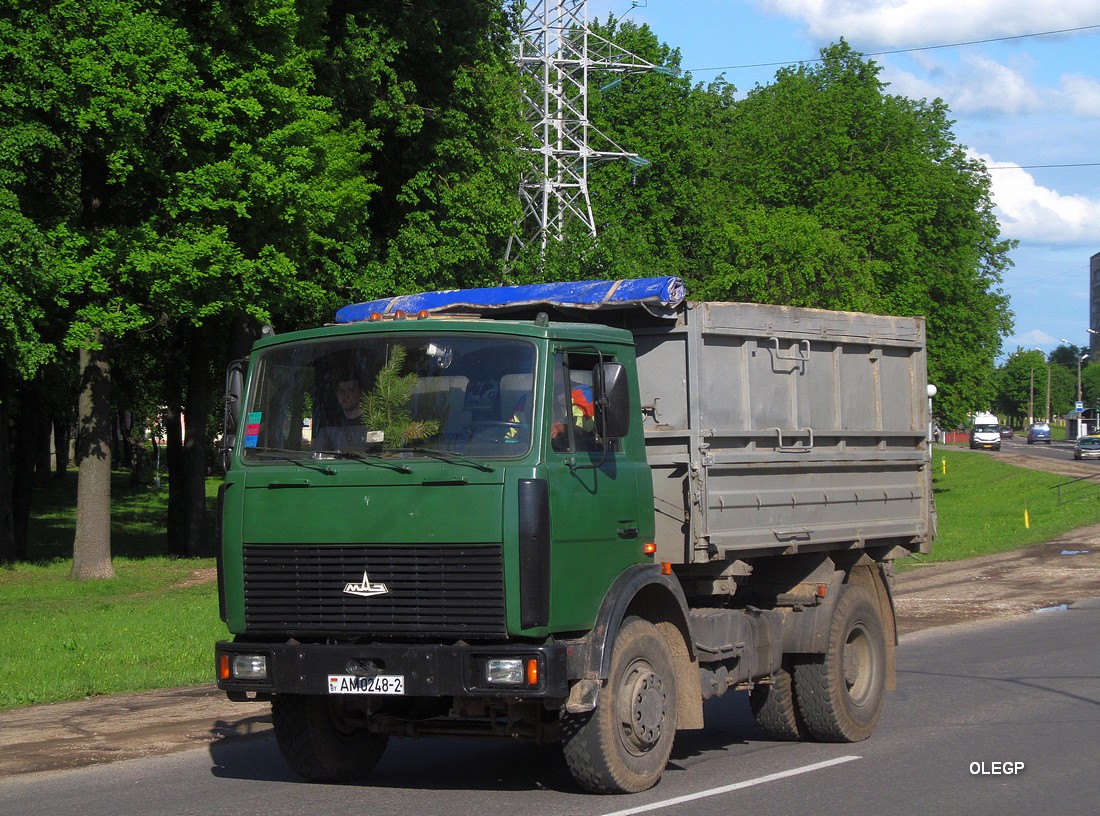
[1027, 521]
[943, 462]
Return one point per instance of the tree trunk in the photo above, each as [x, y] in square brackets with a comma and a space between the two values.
[141, 461]
[61, 448]
[43, 456]
[9, 552]
[92, 543]
[28, 423]
[194, 444]
[173, 458]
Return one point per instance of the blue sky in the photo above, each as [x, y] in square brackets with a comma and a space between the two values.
[1018, 103]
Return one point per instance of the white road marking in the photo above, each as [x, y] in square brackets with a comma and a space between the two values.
[748, 783]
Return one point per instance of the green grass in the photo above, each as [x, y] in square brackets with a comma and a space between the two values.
[981, 503]
[154, 625]
[64, 640]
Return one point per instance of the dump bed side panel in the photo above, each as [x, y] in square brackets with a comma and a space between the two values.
[775, 430]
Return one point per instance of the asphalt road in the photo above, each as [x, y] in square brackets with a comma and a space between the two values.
[1056, 451]
[974, 700]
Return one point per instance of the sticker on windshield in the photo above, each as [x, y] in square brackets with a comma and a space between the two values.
[252, 429]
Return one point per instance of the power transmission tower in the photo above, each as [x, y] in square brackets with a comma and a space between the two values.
[556, 54]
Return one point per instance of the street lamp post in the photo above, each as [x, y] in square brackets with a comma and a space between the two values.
[1031, 399]
[1031, 393]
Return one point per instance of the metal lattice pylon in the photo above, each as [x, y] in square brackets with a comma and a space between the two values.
[556, 53]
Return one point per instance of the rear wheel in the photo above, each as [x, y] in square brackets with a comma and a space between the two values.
[840, 693]
[624, 745]
[320, 741]
[775, 710]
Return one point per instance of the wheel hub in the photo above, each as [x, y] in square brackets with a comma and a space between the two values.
[646, 700]
[857, 666]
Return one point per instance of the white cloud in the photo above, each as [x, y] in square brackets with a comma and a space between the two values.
[907, 23]
[976, 85]
[985, 87]
[1030, 339]
[1081, 94]
[969, 81]
[1030, 212]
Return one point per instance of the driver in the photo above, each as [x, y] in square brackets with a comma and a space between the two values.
[347, 431]
[584, 422]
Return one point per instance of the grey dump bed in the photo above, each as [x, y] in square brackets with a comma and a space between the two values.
[775, 430]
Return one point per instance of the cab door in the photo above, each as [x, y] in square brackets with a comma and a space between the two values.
[596, 506]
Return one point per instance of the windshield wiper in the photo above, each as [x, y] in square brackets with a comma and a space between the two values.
[368, 459]
[451, 456]
[284, 456]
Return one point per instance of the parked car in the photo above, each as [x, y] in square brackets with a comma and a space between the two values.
[1087, 447]
[1038, 432]
[1006, 432]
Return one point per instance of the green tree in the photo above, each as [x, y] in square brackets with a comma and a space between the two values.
[434, 84]
[668, 214]
[387, 406]
[1022, 386]
[26, 290]
[850, 198]
[189, 171]
[184, 175]
[1090, 381]
[819, 189]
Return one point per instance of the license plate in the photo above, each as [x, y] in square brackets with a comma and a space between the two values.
[379, 684]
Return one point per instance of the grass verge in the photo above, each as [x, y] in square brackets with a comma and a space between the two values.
[153, 626]
[981, 502]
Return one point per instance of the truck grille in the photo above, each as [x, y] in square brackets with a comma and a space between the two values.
[431, 591]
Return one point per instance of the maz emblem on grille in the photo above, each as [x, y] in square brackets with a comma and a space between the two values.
[365, 589]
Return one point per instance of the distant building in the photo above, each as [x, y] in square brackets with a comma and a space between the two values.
[1094, 305]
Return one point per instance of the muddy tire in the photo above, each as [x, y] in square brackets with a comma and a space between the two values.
[318, 741]
[624, 745]
[775, 710]
[840, 694]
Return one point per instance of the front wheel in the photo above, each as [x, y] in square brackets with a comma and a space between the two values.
[624, 745]
[320, 741]
[840, 693]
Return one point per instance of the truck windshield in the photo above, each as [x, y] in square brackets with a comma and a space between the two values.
[386, 396]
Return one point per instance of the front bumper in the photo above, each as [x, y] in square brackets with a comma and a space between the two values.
[428, 670]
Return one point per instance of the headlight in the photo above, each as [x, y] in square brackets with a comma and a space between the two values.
[513, 671]
[249, 667]
[504, 671]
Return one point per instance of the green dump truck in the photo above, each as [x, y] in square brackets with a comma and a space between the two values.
[569, 513]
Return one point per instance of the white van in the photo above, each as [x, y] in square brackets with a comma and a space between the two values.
[985, 433]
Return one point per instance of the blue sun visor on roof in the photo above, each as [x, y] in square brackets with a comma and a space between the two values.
[654, 294]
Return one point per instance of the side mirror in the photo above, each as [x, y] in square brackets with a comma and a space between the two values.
[611, 389]
[234, 393]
